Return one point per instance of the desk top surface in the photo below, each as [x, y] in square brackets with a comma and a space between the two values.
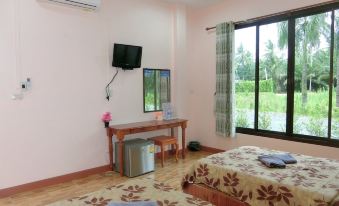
[152, 123]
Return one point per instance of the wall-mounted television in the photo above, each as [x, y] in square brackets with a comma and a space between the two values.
[127, 56]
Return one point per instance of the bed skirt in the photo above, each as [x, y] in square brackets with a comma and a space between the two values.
[211, 195]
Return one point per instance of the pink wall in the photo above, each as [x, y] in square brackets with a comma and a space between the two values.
[67, 52]
[201, 67]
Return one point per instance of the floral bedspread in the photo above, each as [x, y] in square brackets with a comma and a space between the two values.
[135, 191]
[311, 182]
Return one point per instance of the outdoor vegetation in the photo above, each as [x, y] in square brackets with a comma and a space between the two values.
[156, 89]
[311, 77]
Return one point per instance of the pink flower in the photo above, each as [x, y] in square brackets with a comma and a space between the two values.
[106, 117]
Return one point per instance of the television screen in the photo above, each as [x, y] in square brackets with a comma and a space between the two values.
[127, 56]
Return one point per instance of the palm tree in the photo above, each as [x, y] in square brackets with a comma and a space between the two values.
[275, 66]
[245, 68]
[319, 73]
[308, 31]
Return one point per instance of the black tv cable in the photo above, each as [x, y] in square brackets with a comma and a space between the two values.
[107, 86]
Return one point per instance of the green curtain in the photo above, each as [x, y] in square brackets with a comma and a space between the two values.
[225, 85]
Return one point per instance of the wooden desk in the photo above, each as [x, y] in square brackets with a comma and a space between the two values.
[125, 129]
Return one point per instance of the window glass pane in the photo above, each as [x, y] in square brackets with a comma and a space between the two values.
[156, 89]
[273, 77]
[149, 87]
[245, 76]
[312, 65]
[335, 95]
[164, 86]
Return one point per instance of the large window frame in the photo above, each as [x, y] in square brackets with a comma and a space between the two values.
[291, 17]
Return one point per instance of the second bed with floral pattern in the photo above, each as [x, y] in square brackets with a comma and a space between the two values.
[136, 190]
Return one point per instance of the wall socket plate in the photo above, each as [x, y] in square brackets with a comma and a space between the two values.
[23, 86]
[26, 85]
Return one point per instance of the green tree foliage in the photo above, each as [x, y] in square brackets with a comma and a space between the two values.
[273, 67]
[244, 64]
[265, 121]
[319, 73]
[316, 127]
[241, 120]
[307, 39]
[249, 86]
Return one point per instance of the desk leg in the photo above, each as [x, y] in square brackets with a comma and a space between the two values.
[172, 147]
[121, 153]
[183, 138]
[110, 149]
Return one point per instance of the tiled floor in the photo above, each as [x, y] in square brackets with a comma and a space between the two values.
[170, 174]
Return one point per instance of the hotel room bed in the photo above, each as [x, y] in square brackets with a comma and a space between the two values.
[135, 190]
[238, 178]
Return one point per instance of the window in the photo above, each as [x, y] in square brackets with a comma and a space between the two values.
[311, 74]
[156, 89]
[272, 79]
[245, 76]
[335, 80]
[287, 76]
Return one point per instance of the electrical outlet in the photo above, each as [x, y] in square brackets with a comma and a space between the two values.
[26, 85]
[23, 86]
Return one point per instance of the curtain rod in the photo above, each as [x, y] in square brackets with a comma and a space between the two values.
[278, 14]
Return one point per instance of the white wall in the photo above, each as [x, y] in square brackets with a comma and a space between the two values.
[201, 70]
[67, 52]
[180, 60]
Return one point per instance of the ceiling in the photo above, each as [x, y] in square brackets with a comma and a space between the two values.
[198, 3]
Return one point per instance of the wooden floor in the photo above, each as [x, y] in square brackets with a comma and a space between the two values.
[170, 174]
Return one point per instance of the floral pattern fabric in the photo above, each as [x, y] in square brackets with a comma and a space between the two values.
[135, 191]
[311, 182]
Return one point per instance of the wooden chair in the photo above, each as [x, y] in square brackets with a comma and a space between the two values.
[163, 141]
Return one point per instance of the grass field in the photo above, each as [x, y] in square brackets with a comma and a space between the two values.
[311, 120]
[317, 104]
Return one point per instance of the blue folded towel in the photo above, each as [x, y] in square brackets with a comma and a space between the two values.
[286, 158]
[142, 203]
[271, 161]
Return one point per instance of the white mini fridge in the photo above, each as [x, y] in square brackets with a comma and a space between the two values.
[138, 157]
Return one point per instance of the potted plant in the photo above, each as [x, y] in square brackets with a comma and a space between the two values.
[106, 118]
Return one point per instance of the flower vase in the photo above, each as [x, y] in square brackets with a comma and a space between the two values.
[106, 124]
